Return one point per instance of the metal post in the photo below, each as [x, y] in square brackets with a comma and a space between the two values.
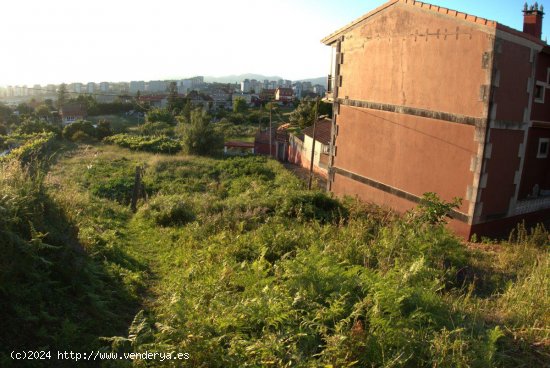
[313, 145]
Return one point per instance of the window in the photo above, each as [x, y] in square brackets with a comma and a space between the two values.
[539, 92]
[544, 147]
[326, 149]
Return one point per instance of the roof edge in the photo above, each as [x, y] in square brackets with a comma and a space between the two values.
[418, 4]
[333, 36]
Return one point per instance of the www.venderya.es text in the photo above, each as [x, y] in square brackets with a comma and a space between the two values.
[95, 355]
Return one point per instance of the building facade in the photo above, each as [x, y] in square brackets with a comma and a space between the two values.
[428, 99]
[301, 146]
[284, 95]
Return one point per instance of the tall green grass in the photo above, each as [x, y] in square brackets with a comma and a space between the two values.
[235, 263]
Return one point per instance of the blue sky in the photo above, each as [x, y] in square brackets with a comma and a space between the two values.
[121, 40]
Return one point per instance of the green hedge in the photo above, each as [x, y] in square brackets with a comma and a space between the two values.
[145, 143]
[34, 146]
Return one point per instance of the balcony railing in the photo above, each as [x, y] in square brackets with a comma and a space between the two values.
[532, 205]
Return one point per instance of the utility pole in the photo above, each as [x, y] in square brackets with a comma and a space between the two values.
[313, 145]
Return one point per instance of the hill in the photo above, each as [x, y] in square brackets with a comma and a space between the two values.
[241, 77]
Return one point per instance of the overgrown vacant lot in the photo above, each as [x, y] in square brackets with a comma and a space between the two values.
[233, 262]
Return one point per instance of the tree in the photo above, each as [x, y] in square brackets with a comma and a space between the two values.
[186, 112]
[32, 126]
[3, 129]
[325, 109]
[239, 105]
[157, 114]
[173, 97]
[49, 102]
[24, 109]
[103, 129]
[61, 95]
[200, 137]
[43, 112]
[304, 114]
[5, 112]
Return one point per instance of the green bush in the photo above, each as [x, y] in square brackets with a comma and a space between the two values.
[52, 295]
[82, 137]
[35, 126]
[156, 129]
[171, 210]
[33, 149]
[160, 115]
[312, 206]
[145, 143]
[200, 137]
[83, 126]
[103, 129]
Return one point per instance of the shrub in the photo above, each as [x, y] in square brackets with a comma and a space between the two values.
[160, 115]
[200, 137]
[85, 127]
[156, 129]
[170, 210]
[537, 236]
[145, 143]
[432, 210]
[35, 126]
[80, 136]
[103, 129]
[312, 206]
[33, 148]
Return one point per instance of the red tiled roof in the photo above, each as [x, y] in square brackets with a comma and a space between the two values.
[151, 98]
[434, 8]
[73, 109]
[322, 131]
[239, 144]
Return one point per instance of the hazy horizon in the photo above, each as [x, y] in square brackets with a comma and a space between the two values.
[70, 41]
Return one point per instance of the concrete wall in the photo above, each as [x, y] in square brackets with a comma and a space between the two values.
[299, 153]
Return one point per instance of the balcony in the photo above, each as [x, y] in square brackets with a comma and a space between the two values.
[329, 96]
[532, 205]
[323, 161]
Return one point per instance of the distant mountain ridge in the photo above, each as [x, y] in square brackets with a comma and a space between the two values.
[239, 78]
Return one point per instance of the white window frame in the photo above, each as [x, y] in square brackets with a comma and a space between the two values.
[543, 86]
[543, 154]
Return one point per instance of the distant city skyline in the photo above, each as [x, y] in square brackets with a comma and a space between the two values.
[67, 41]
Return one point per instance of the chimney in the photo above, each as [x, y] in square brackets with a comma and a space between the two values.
[532, 20]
